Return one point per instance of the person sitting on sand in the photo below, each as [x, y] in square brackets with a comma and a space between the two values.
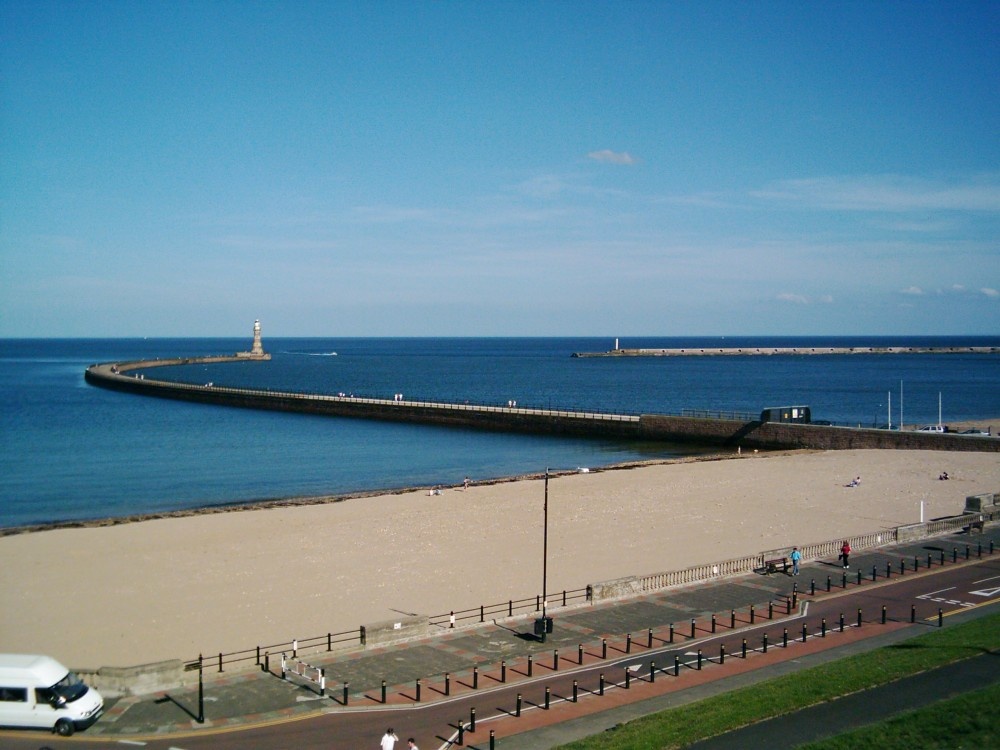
[856, 482]
[944, 475]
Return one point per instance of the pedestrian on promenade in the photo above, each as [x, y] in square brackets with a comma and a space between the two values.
[389, 739]
[465, 484]
[845, 552]
[411, 745]
[795, 557]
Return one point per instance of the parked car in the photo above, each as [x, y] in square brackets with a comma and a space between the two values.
[933, 428]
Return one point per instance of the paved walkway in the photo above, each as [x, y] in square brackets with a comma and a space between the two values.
[463, 660]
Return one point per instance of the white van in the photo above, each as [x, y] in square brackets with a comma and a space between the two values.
[38, 691]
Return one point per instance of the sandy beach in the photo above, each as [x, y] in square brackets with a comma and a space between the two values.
[175, 587]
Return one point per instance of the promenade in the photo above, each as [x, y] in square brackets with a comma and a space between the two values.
[480, 667]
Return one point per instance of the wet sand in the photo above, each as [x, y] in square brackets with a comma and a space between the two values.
[133, 593]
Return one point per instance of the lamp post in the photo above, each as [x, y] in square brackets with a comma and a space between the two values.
[542, 625]
[545, 554]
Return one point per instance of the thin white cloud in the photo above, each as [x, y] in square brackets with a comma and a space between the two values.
[891, 193]
[916, 291]
[990, 292]
[612, 157]
[797, 299]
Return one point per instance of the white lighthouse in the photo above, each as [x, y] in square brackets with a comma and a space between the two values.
[257, 350]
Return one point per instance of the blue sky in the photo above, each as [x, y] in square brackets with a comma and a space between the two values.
[480, 169]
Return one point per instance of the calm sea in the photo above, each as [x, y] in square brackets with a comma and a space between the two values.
[69, 451]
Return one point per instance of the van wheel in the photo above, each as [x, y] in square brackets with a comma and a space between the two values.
[64, 727]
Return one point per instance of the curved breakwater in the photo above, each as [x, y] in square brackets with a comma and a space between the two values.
[122, 376]
[790, 351]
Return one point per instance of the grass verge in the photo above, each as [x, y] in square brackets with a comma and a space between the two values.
[952, 724]
[682, 726]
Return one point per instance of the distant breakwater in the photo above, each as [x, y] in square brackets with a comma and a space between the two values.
[707, 431]
[748, 351]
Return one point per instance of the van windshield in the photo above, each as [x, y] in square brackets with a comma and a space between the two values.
[69, 688]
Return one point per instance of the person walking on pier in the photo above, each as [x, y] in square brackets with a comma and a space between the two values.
[795, 557]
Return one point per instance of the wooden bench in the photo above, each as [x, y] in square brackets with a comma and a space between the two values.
[771, 566]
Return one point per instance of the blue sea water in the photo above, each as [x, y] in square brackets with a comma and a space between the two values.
[69, 451]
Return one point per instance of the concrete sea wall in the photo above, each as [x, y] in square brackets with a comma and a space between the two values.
[729, 433]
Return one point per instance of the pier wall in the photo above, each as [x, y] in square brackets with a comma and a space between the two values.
[663, 428]
[770, 435]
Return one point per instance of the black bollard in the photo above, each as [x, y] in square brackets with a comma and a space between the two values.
[751, 614]
[517, 710]
[841, 622]
[913, 613]
[383, 692]
[930, 560]
[628, 678]
[770, 610]
[844, 584]
[966, 551]
[579, 654]
[732, 618]
[942, 557]
[722, 653]
[472, 719]
[447, 683]
[345, 693]
[677, 666]
[954, 554]
[829, 583]
[628, 643]
[503, 671]
[692, 627]
[461, 734]
[475, 678]
[822, 628]
[649, 638]
[531, 663]
[874, 573]
[804, 632]
[493, 737]
[744, 648]
[888, 570]
[812, 587]
[418, 690]
[699, 659]
[576, 690]
[652, 671]
[902, 566]
[859, 576]
[548, 697]
[713, 623]
[980, 549]
[765, 643]
[600, 685]
[555, 660]
[883, 614]
[671, 632]
[916, 563]
[604, 648]
[940, 618]
[784, 638]
[859, 617]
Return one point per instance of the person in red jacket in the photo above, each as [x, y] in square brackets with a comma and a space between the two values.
[845, 552]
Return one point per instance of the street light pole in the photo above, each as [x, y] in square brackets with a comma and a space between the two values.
[545, 553]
